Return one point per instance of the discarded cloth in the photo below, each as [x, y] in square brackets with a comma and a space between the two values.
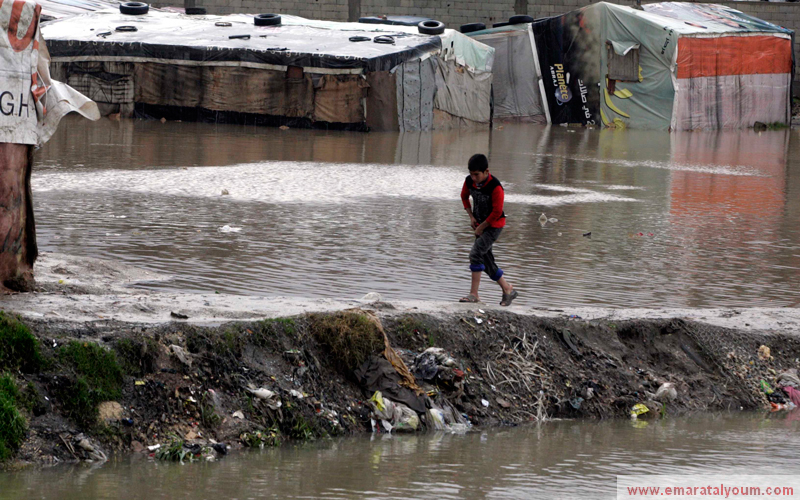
[793, 394]
[378, 374]
[789, 378]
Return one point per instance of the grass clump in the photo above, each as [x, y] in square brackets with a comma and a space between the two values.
[19, 349]
[138, 355]
[350, 337]
[260, 439]
[96, 377]
[12, 424]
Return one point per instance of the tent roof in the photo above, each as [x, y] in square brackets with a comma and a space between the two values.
[296, 42]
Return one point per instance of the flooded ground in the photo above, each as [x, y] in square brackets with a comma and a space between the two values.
[677, 220]
[564, 459]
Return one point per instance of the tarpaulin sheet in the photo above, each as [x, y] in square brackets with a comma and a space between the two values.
[244, 90]
[515, 83]
[567, 47]
[462, 93]
[181, 39]
[712, 18]
[31, 104]
[733, 81]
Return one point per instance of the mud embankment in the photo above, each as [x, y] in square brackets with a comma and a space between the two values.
[95, 389]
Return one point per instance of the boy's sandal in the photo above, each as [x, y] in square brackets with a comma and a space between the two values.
[508, 297]
[469, 298]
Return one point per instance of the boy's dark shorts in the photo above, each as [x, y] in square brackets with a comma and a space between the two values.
[481, 257]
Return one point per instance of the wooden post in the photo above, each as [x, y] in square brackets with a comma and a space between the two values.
[18, 248]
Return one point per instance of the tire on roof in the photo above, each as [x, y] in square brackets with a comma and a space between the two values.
[134, 8]
[431, 27]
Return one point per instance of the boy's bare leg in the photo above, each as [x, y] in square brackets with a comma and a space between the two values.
[476, 283]
[505, 285]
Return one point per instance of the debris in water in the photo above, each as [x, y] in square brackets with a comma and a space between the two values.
[178, 315]
[229, 229]
[588, 235]
[225, 192]
[543, 219]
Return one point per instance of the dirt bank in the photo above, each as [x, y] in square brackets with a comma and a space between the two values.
[195, 383]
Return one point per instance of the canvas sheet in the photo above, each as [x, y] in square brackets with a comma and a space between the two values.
[31, 104]
[515, 83]
[733, 81]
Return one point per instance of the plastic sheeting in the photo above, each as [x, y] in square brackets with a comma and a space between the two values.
[461, 93]
[31, 103]
[700, 66]
[732, 81]
[514, 78]
[182, 39]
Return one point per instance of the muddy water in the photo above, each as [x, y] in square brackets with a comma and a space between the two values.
[558, 460]
[703, 219]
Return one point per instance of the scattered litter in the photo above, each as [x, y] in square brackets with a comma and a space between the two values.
[576, 402]
[181, 354]
[666, 392]
[268, 396]
[481, 311]
[372, 297]
[296, 394]
[139, 382]
[543, 219]
[478, 320]
[638, 409]
[766, 387]
[178, 315]
[229, 229]
[154, 447]
[485, 403]
[764, 353]
[238, 414]
[283, 127]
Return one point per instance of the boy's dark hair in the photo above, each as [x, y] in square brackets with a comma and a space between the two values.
[478, 163]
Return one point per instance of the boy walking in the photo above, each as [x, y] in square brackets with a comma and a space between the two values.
[487, 219]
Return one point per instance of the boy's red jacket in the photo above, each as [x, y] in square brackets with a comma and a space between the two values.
[488, 199]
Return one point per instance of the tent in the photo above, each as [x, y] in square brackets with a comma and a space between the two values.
[677, 66]
[300, 72]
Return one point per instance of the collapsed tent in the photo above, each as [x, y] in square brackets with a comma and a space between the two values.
[678, 66]
[299, 72]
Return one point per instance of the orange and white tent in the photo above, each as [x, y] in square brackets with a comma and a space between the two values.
[673, 65]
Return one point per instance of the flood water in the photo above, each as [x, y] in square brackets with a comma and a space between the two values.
[699, 219]
[561, 459]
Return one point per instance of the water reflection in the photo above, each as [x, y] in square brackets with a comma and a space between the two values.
[690, 219]
[564, 459]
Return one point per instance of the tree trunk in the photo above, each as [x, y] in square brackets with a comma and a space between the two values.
[17, 229]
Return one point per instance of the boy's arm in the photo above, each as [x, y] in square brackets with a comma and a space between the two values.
[467, 206]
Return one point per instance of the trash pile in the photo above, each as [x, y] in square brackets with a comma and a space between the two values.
[788, 395]
[406, 400]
